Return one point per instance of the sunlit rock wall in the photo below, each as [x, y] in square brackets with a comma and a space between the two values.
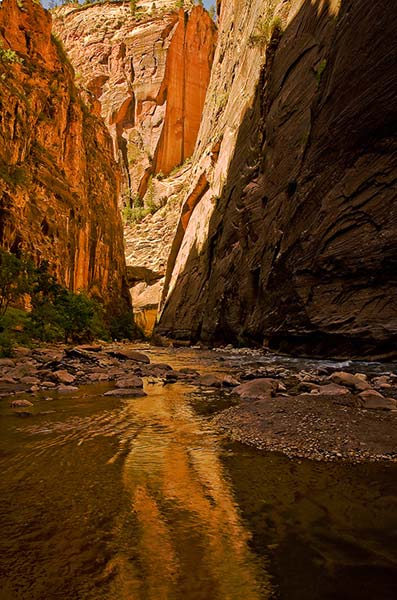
[58, 178]
[147, 73]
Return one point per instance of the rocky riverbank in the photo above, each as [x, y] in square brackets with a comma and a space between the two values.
[307, 410]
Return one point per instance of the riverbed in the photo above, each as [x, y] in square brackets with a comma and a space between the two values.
[145, 499]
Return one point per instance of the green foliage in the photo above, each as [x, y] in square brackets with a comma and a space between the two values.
[266, 26]
[133, 4]
[9, 56]
[121, 326]
[63, 57]
[15, 279]
[13, 330]
[57, 313]
[320, 71]
[134, 214]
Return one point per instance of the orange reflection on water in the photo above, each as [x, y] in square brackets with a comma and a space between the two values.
[191, 542]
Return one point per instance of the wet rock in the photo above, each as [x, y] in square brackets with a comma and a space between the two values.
[257, 389]
[80, 354]
[64, 377]
[130, 382]
[48, 384]
[98, 377]
[30, 380]
[171, 377]
[373, 400]
[229, 381]
[163, 367]
[21, 403]
[90, 348]
[126, 393]
[210, 381]
[12, 388]
[188, 371]
[351, 381]
[130, 355]
[66, 389]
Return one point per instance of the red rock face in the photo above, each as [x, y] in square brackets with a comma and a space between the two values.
[148, 74]
[186, 80]
[58, 179]
[293, 243]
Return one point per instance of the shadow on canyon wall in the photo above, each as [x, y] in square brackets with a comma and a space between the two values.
[301, 252]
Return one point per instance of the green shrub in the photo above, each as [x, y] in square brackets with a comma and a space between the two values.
[320, 71]
[266, 26]
[9, 56]
[121, 326]
[16, 278]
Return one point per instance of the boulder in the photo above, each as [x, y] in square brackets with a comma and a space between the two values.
[257, 389]
[331, 389]
[351, 381]
[20, 403]
[66, 389]
[132, 381]
[30, 380]
[229, 381]
[130, 355]
[210, 380]
[63, 377]
[373, 400]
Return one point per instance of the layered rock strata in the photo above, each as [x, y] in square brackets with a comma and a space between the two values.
[288, 232]
[58, 178]
[147, 72]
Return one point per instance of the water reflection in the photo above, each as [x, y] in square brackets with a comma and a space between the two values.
[190, 540]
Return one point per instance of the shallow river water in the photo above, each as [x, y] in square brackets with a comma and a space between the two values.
[141, 499]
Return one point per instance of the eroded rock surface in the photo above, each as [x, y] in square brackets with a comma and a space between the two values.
[287, 234]
[58, 179]
[148, 74]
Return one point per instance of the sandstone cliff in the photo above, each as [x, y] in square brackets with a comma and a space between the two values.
[288, 232]
[148, 74]
[58, 179]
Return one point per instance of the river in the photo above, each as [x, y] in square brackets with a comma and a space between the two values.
[143, 499]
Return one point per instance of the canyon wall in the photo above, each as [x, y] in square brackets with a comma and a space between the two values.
[147, 72]
[287, 236]
[58, 178]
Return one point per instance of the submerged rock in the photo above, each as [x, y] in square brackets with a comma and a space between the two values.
[21, 403]
[126, 393]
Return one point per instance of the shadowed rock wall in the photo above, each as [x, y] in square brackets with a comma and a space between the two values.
[58, 179]
[292, 240]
